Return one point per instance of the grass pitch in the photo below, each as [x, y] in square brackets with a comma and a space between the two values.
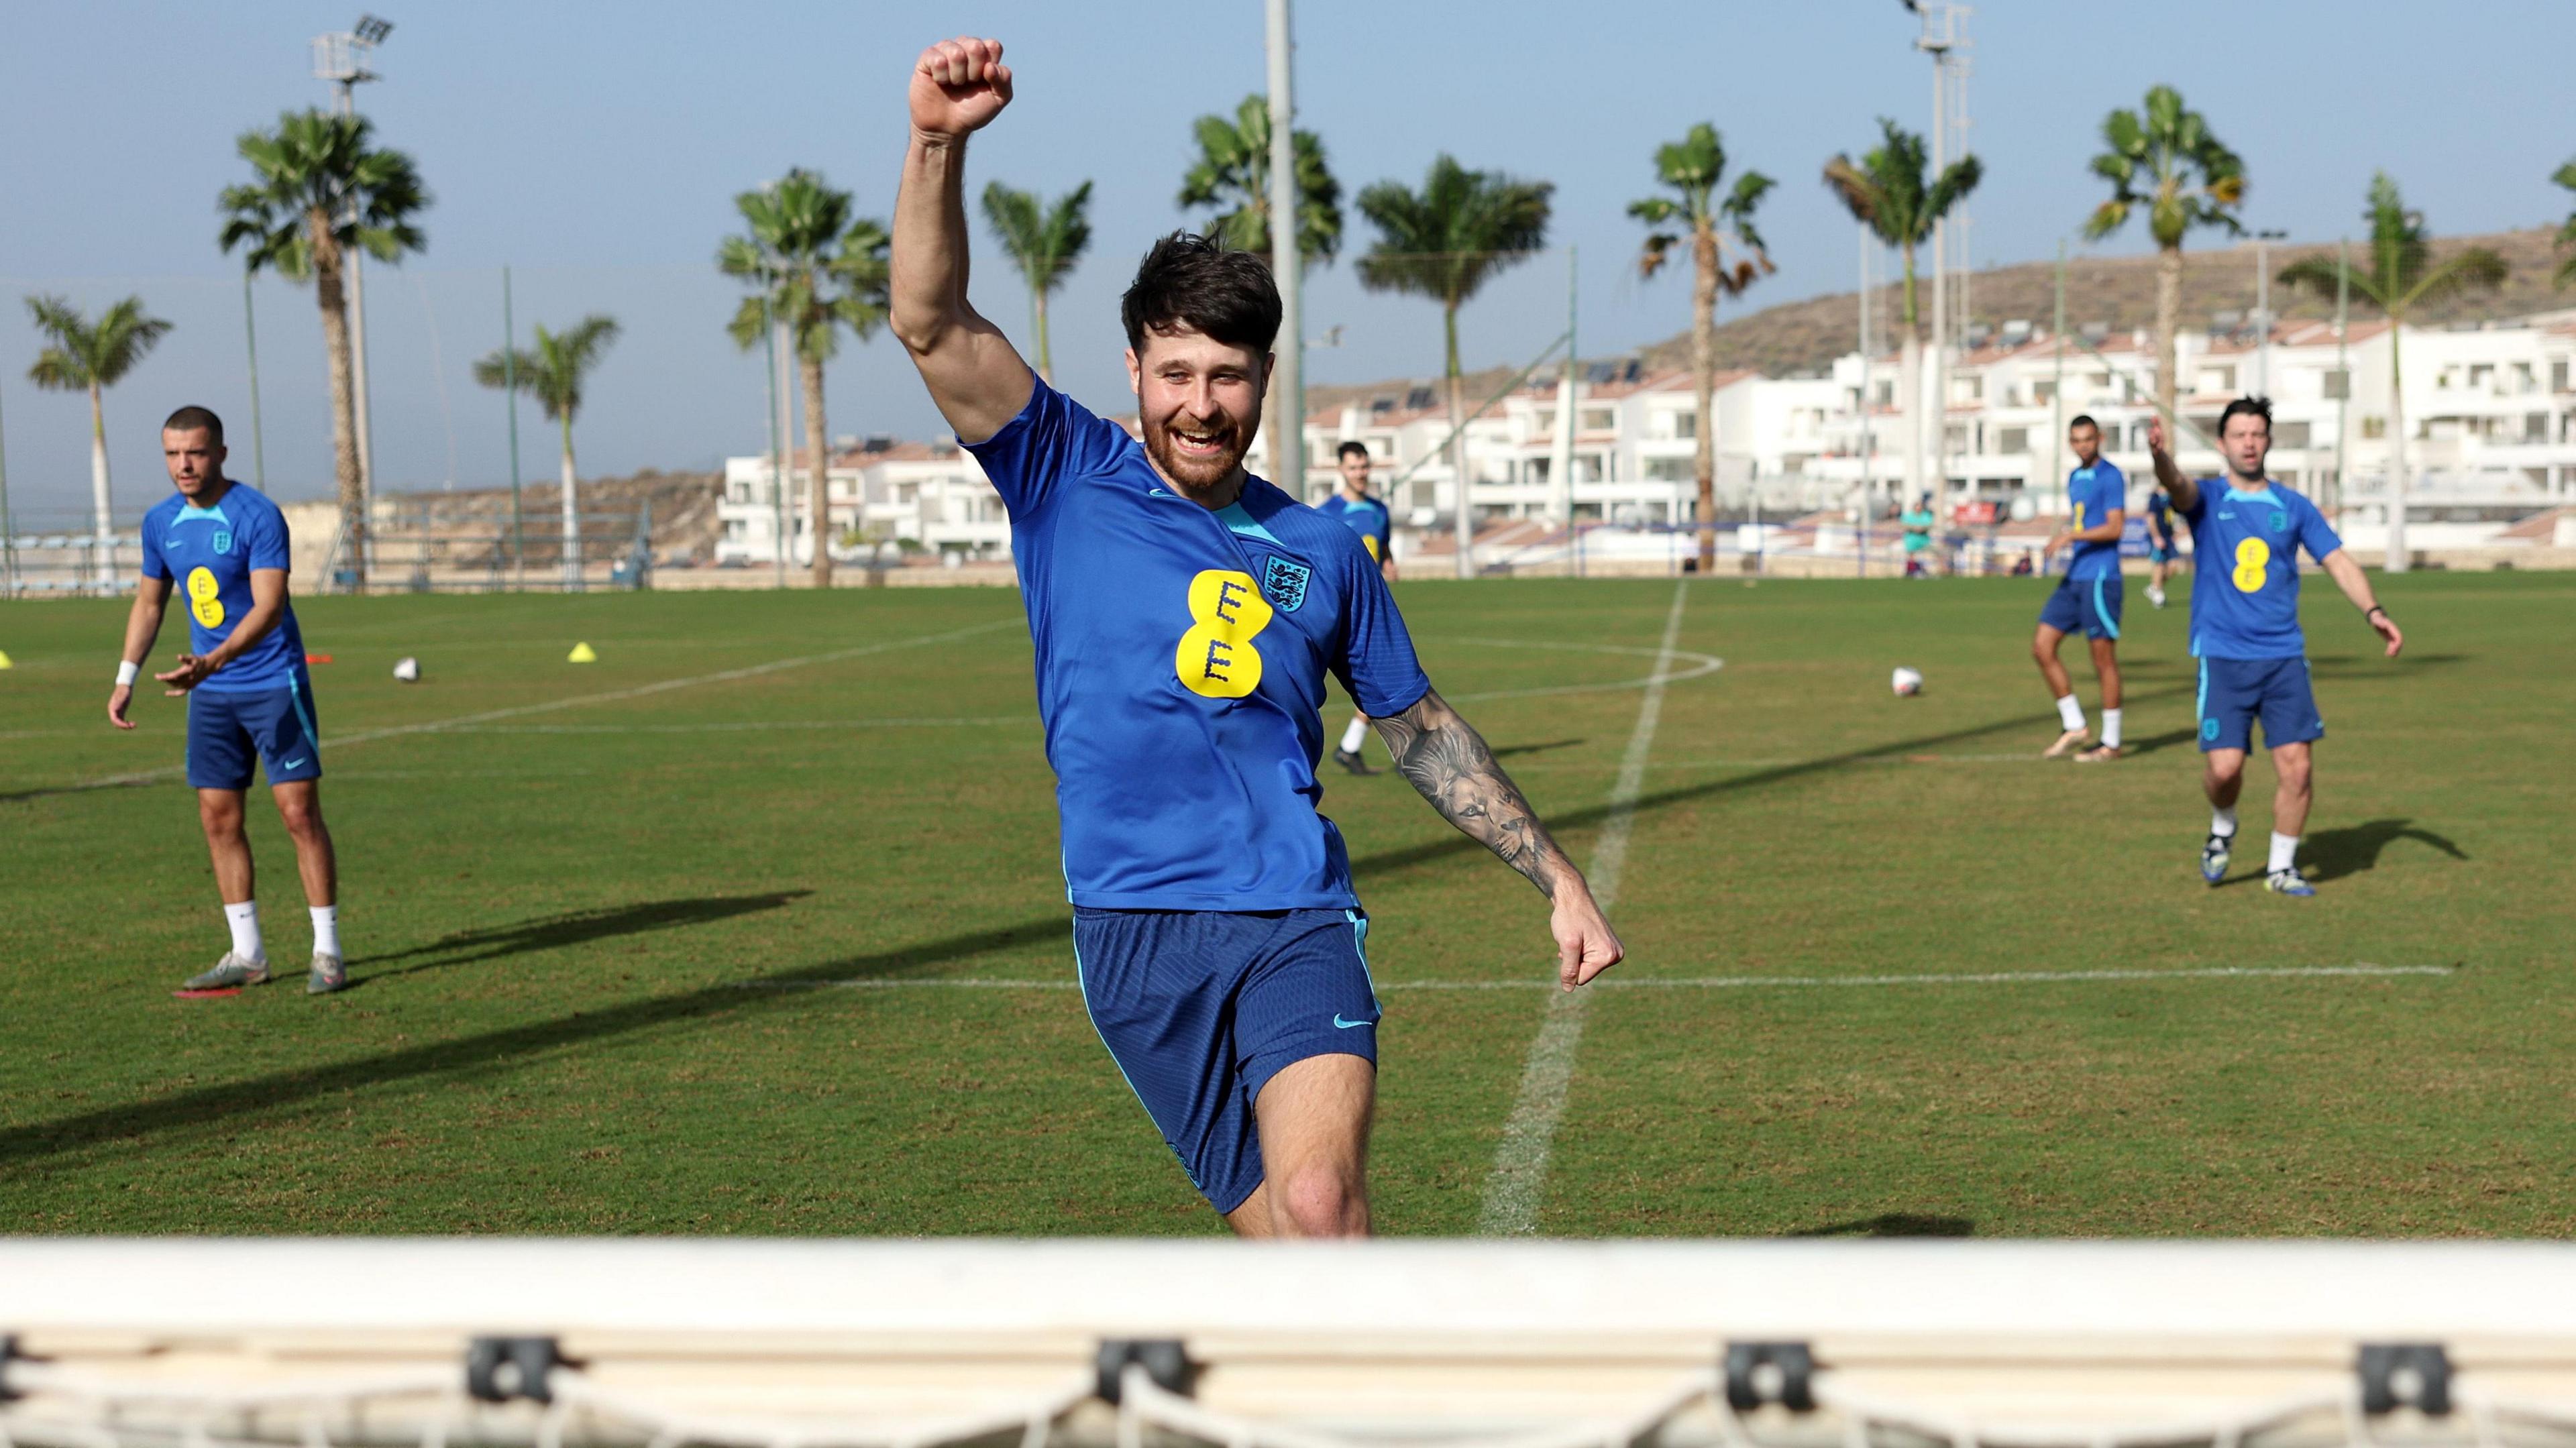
[639, 955]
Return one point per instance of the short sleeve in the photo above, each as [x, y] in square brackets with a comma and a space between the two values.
[1377, 664]
[2315, 533]
[2199, 503]
[1053, 437]
[154, 566]
[268, 542]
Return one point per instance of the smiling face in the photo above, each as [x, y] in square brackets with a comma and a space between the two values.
[195, 460]
[1199, 401]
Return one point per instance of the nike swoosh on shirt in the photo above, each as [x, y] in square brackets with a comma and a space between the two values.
[1349, 1025]
[292, 764]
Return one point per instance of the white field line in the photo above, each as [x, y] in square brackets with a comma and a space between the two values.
[611, 696]
[1513, 1190]
[1721, 982]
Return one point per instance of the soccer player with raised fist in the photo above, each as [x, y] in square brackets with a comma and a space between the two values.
[1186, 614]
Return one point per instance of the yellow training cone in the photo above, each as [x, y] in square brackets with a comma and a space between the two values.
[581, 654]
[4, 661]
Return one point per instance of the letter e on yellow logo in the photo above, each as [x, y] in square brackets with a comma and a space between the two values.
[1216, 658]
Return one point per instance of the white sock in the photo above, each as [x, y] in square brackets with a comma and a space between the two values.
[2070, 712]
[244, 920]
[2111, 727]
[2222, 822]
[1356, 735]
[2285, 851]
[326, 929]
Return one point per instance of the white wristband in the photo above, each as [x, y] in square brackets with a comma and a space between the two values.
[126, 671]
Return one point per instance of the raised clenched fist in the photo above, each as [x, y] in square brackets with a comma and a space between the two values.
[958, 86]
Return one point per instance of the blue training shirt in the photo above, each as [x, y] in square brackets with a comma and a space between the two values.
[1367, 517]
[2245, 574]
[1181, 656]
[211, 552]
[2160, 524]
[2091, 494]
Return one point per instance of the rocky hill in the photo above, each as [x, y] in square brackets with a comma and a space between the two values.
[683, 508]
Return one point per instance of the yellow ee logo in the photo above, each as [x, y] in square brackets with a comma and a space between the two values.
[2253, 556]
[205, 597]
[1369, 541]
[1216, 658]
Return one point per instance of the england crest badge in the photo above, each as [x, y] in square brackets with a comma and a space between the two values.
[1284, 583]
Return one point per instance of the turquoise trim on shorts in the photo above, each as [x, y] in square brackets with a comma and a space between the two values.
[2103, 613]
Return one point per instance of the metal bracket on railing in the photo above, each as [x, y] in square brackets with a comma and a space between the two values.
[1165, 1361]
[2405, 1375]
[1770, 1372]
[498, 1369]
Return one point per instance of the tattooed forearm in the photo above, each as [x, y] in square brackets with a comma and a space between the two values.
[1448, 762]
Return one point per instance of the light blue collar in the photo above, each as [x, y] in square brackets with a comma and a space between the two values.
[1234, 517]
[191, 513]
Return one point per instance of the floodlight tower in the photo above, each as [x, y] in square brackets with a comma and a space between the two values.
[2263, 310]
[346, 59]
[1943, 41]
[1287, 260]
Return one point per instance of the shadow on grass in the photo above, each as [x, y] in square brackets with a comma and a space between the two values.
[2335, 854]
[574, 927]
[2154, 742]
[36, 1141]
[1894, 1224]
[18, 796]
[1509, 750]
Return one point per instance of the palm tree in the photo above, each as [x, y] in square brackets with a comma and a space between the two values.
[93, 356]
[2166, 161]
[321, 190]
[1692, 167]
[1445, 242]
[2566, 176]
[1232, 176]
[553, 374]
[1890, 190]
[818, 270]
[1044, 242]
[2400, 276]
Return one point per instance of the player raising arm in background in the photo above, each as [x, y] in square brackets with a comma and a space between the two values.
[2246, 531]
[1185, 615]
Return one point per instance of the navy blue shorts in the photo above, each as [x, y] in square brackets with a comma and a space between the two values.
[2233, 692]
[2091, 605]
[1201, 1008]
[2162, 553]
[230, 730]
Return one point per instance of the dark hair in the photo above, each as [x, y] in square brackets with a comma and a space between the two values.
[190, 419]
[2248, 407]
[2083, 419]
[1350, 446]
[1188, 280]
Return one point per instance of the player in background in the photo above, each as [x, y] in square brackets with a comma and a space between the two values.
[2088, 597]
[249, 697]
[1917, 524]
[1367, 517]
[2163, 556]
[2246, 531]
[1185, 614]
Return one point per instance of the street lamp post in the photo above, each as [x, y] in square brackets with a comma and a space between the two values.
[2263, 311]
[344, 59]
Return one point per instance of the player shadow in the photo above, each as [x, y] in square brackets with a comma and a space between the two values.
[35, 1141]
[1509, 750]
[2335, 854]
[1407, 856]
[16, 796]
[1894, 1224]
[2370, 665]
[571, 927]
[2167, 740]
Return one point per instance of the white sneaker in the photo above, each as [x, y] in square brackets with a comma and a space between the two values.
[2156, 596]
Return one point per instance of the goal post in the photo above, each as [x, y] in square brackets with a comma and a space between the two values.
[178, 1343]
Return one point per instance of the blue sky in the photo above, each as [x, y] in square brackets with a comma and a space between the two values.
[596, 148]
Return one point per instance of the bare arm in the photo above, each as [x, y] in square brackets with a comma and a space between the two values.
[974, 374]
[2106, 531]
[1447, 761]
[142, 626]
[267, 606]
[2356, 587]
[2182, 491]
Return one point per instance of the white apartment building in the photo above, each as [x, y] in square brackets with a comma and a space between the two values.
[2489, 421]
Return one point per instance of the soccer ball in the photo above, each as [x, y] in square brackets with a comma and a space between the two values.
[407, 670]
[1906, 682]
